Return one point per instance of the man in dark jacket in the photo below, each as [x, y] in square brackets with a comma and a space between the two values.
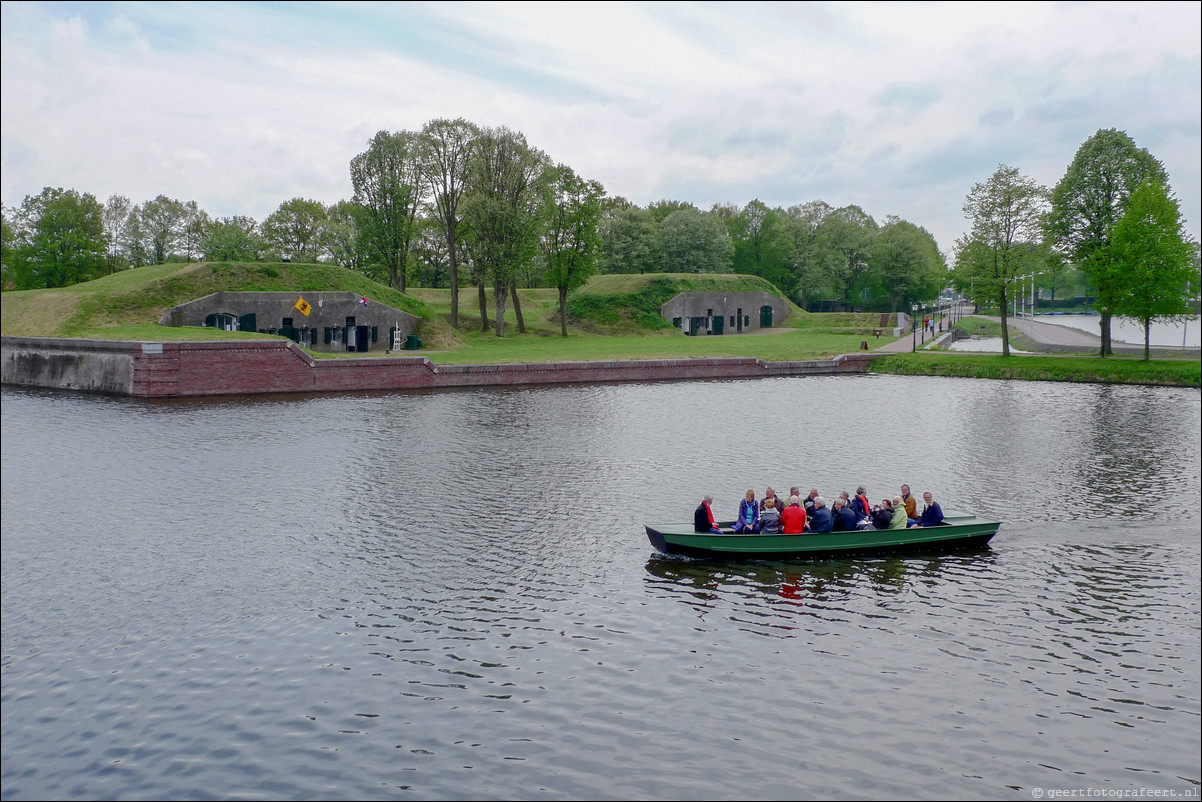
[822, 520]
[703, 516]
[932, 514]
[845, 518]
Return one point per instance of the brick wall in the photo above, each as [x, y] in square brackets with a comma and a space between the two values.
[275, 366]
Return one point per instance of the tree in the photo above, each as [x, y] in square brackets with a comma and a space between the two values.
[1087, 203]
[628, 238]
[1159, 274]
[1006, 212]
[906, 263]
[444, 147]
[692, 242]
[162, 223]
[501, 208]
[803, 255]
[232, 239]
[117, 210]
[387, 182]
[846, 240]
[570, 241]
[760, 245]
[340, 235]
[294, 230]
[59, 239]
[196, 223]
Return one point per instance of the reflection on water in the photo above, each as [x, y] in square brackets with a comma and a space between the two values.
[450, 595]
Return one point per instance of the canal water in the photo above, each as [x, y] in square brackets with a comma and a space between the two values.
[449, 595]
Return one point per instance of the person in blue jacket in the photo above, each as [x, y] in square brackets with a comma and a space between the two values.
[932, 514]
[821, 520]
[749, 514]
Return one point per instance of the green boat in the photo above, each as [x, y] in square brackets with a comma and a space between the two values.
[959, 530]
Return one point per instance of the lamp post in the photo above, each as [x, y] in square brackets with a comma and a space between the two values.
[913, 333]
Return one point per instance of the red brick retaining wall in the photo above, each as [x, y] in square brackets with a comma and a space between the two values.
[154, 370]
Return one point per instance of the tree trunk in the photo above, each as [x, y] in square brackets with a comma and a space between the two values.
[1147, 339]
[454, 257]
[483, 306]
[1005, 327]
[563, 310]
[500, 292]
[1104, 326]
[517, 307]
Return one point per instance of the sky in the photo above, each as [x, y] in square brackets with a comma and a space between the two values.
[898, 108]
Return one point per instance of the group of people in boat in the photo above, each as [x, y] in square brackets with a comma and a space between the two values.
[772, 515]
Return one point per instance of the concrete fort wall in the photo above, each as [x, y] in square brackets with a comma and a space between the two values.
[161, 370]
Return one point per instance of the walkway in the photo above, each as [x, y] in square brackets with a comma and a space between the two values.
[1052, 337]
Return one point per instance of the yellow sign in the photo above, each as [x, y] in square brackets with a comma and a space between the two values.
[303, 306]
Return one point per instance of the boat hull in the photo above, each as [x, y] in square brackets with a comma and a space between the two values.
[961, 531]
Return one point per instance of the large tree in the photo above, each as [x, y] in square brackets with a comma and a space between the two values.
[846, 239]
[444, 149]
[1155, 259]
[693, 242]
[906, 263]
[628, 238]
[117, 210]
[162, 223]
[570, 241]
[59, 239]
[295, 229]
[1006, 212]
[388, 187]
[1087, 203]
[804, 255]
[760, 244]
[501, 207]
[232, 239]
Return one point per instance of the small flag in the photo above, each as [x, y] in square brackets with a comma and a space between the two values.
[362, 300]
[303, 306]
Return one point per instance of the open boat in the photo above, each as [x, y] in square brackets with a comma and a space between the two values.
[959, 530]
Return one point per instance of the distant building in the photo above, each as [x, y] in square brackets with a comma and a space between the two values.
[724, 312]
[320, 321]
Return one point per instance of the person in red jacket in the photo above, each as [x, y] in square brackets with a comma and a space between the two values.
[793, 517]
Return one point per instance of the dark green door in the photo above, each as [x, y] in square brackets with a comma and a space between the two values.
[765, 317]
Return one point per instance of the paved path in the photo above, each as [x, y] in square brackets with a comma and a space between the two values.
[1053, 336]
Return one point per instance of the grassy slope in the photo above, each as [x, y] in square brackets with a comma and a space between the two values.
[128, 304]
[609, 327]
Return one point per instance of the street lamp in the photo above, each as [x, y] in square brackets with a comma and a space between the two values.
[913, 333]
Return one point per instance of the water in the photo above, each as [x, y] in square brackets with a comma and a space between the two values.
[449, 595]
[1130, 330]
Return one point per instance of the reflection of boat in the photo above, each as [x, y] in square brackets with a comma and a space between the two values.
[959, 530]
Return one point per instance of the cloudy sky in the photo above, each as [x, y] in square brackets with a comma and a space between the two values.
[895, 107]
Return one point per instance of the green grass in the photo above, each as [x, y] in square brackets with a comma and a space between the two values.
[95, 309]
[775, 347]
[1091, 369]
